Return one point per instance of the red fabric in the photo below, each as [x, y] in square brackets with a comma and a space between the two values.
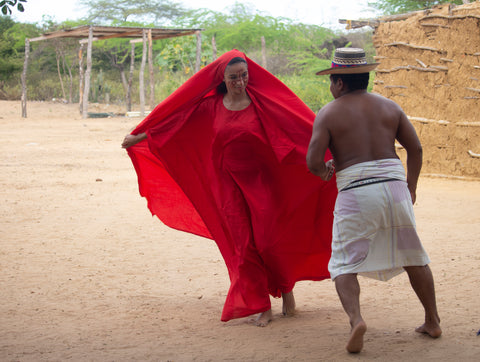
[240, 178]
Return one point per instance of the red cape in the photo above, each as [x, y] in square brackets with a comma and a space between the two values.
[271, 233]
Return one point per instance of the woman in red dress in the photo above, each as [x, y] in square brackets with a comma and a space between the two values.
[224, 157]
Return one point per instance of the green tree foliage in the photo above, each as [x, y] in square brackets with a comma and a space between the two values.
[404, 6]
[294, 52]
[117, 12]
[291, 46]
[12, 45]
[6, 4]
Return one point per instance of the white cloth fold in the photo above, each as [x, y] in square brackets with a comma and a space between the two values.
[374, 230]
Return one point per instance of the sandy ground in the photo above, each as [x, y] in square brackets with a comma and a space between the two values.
[87, 274]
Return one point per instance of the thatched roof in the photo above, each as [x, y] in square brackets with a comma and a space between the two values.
[107, 32]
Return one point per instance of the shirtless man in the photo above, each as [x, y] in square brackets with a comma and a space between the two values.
[374, 227]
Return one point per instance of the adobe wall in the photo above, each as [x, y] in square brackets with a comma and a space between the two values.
[430, 66]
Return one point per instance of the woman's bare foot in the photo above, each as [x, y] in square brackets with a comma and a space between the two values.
[288, 307]
[263, 319]
[355, 343]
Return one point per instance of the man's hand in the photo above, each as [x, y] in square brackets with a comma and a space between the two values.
[330, 169]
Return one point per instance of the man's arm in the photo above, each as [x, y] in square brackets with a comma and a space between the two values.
[407, 136]
[318, 147]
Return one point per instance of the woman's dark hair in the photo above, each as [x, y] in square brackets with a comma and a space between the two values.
[222, 88]
[353, 81]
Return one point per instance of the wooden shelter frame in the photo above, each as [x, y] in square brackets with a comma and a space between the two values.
[89, 33]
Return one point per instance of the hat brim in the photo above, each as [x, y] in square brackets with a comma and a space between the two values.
[349, 70]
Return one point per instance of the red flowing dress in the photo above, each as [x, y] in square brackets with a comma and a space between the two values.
[240, 178]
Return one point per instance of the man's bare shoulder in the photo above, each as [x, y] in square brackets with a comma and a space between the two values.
[329, 110]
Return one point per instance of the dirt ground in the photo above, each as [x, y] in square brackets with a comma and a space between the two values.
[87, 274]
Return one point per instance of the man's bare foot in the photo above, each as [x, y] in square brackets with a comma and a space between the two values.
[355, 343]
[432, 329]
[288, 307]
[263, 319]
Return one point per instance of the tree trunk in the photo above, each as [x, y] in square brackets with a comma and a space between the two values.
[130, 78]
[141, 76]
[58, 55]
[87, 74]
[199, 50]
[70, 80]
[264, 53]
[150, 68]
[24, 78]
[80, 78]
[214, 49]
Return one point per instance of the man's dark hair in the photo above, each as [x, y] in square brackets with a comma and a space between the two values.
[353, 81]
[222, 88]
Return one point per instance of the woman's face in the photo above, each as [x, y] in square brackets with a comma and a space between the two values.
[236, 78]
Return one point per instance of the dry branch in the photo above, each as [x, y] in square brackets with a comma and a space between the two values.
[436, 25]
[439, 67]
[468, 124]
[407, 67]
[446, 60]
[421, 63]
[426, 120]
[433, 16]
[355, 24]
[473, 154]
[416, 47]
[473, 89]
[396, 86]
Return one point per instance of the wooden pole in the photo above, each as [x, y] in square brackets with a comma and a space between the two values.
[199, 50]
[130, 78]
[24, 78]
[141, 77]
[150, 68]
[81, 75]
[214, 49]
[264, 53]
[87, 73]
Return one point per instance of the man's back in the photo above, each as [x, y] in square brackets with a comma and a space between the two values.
[362, 127]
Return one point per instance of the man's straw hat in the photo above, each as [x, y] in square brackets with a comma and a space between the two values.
[349, 61]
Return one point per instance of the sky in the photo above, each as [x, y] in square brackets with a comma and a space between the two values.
[318, 12]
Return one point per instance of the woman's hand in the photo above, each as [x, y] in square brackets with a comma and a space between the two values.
[131, 139]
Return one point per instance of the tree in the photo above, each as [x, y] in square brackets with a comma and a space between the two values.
[116, 12]
[390, 7]
[5, 5]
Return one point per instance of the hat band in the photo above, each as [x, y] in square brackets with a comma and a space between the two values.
[335, 65]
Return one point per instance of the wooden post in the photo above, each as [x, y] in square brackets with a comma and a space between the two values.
[141, 77]
[87, 73]
[214, 49]
[130, 78]
[24, 78]
[199, 50]
[264, 53]
[81, 75]
[150, 67]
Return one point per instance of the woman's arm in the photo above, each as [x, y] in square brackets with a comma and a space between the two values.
[131, 139]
